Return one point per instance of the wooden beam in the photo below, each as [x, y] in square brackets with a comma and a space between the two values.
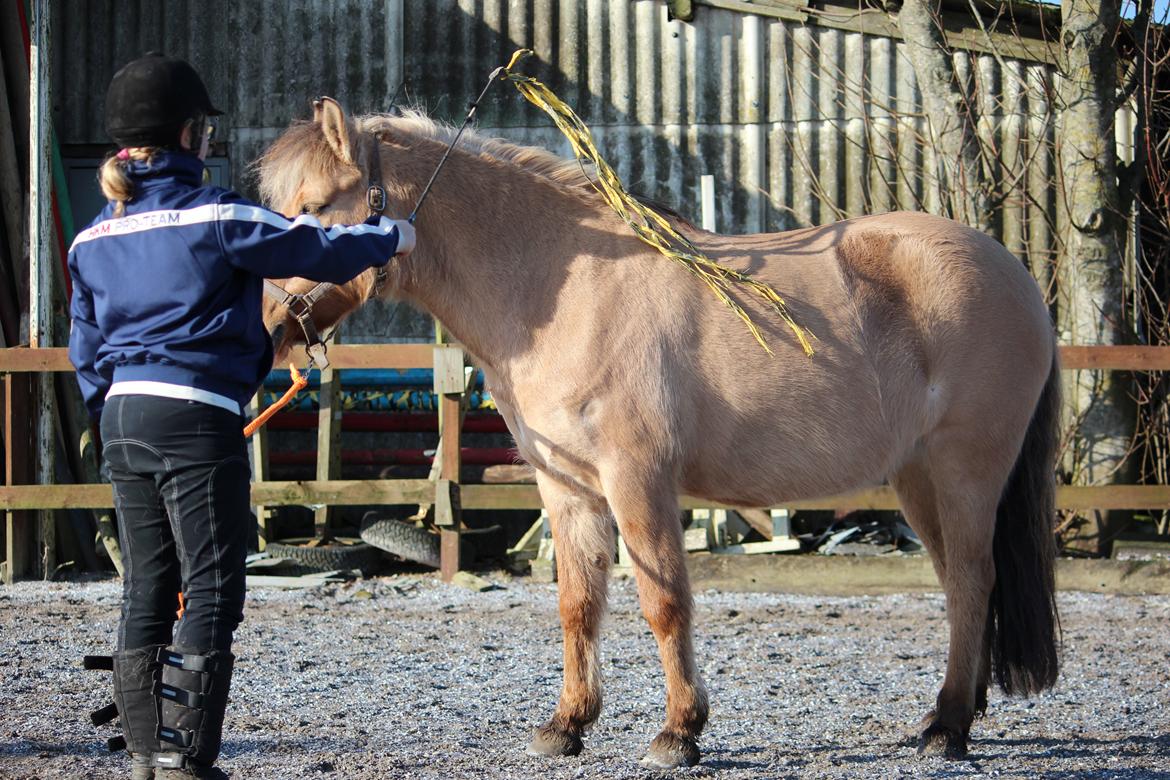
[401, 356]
[345, 492]
[1120, 358]
[259, 444]
[450, 382]
[17, 471]
[1067, 497]
[338, 492]
[355, 492]
[962, 31]
[328, 441]
[41, 257]
[23, 359]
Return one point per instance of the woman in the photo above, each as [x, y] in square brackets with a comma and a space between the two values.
[169, 345]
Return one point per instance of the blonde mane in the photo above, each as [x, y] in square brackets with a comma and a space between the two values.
[302, 151]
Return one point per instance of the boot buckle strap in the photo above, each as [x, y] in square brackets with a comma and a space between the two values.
[191, 699]
[168, 760]
[181, 737]
[104, 715]
[101, 663]
[188, 662]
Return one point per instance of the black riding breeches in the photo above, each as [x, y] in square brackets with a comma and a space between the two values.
[180, 474]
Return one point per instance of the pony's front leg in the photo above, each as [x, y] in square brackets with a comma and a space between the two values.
[583, 537]
[647, 516]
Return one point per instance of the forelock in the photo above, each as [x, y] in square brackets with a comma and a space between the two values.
[300, 153]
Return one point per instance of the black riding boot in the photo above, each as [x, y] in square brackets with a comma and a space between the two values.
[135, 673]
[193, 693]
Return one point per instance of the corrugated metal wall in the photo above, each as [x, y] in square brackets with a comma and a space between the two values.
[799, 123]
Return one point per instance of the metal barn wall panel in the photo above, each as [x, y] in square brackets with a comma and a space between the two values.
[799, 123]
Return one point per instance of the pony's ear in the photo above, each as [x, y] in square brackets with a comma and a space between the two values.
[328, 113]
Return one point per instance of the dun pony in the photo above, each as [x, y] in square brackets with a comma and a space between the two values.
[625, 384]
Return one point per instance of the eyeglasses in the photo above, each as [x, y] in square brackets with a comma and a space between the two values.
[209, 125]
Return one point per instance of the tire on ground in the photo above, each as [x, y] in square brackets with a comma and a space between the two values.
[340, 553]
[405, 541]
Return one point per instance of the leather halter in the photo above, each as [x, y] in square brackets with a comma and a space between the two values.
[300, 305]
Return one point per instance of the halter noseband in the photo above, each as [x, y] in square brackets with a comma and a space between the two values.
[300, 306]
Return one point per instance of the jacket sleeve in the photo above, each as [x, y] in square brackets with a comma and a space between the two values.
[84, 341]
[268, 244]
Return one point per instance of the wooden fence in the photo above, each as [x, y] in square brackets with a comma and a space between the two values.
[445, 492]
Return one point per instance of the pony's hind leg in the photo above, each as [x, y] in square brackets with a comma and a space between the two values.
[952, 508]
[647, 516]
[583, 538]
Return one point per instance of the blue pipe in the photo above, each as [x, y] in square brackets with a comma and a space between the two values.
[373, 400]
[383, 379]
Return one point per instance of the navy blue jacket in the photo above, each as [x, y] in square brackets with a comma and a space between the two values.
[171, 291]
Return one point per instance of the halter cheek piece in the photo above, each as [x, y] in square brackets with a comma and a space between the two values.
[300, 306]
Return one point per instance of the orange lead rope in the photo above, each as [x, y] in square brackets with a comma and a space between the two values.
[299, 383]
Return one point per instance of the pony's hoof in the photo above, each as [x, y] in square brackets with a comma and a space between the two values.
[551, 741]
[670, 751]
[938, 740]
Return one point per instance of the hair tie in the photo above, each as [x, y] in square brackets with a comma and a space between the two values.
[123, 155]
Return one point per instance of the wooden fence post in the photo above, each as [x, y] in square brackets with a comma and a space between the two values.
[17, 471]
[259, 443]
[450, 382]
[328, 441]
[41, 273]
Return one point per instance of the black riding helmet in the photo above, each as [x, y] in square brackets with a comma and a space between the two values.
[150, 98]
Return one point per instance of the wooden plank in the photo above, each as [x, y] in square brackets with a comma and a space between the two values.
[450, 422]
[353, 492]
[525, 496]
[402, 356]
[41, 256]
[448, 375]
[328, 441]
[1119, 358]
[339, 492]
[17, 471]
[962, 32]
[345, 492]
[259, 445]
[1067, 497]
[758, 519]
[23, 359]
[399, 356]
[1113, 497]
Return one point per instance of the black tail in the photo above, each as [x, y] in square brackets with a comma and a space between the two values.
[1023, 620]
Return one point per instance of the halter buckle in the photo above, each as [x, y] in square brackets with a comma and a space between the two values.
[317, 356]
[376, 199]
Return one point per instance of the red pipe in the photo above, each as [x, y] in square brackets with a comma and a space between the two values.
[488, 456]
[385, 421]
[60, 231]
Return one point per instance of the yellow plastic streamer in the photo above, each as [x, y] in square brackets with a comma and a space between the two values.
[647, 224]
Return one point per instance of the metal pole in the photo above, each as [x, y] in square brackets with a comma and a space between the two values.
[394, 52]
[707, 196]
[41, 259]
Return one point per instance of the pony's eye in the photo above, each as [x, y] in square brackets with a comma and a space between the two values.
[314, 208]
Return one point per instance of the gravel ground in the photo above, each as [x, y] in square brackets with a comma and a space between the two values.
[404, 677]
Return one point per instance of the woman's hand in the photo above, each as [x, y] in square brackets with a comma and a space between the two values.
[405, 237]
